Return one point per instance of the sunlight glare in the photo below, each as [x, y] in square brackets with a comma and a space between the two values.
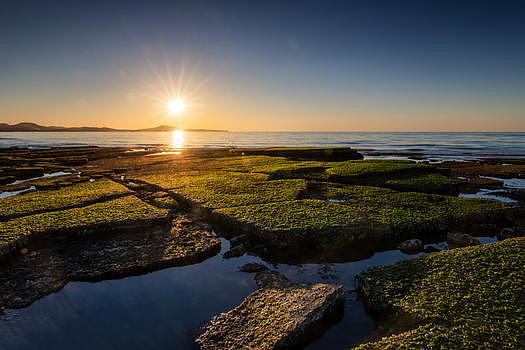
[178, 139]
[176, 106]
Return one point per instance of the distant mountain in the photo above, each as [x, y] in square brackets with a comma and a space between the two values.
[35, 127]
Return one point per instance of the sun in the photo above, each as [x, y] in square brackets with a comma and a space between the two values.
[176, 106]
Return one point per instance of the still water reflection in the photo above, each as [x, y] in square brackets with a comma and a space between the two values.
[165, 309]
[178, 139]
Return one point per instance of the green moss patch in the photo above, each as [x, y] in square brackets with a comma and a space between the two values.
[427, 183]
[472, 297]
[308, 219]
[102, 216]
[265, 164]
[228, 189]
[389, 207]
[349, 212]
[39, 201]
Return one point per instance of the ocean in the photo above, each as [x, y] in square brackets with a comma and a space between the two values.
[440, 145]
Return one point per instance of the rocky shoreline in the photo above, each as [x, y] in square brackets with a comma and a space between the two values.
[110, 213]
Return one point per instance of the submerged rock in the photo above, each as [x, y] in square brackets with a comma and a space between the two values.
[234, 252]
[240, 239]
[507, 233]
[411, 246]
[280, 314]
[431, 249]
[458, 239]
[252, 267]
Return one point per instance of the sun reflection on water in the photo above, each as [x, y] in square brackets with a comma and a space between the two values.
[178, 139]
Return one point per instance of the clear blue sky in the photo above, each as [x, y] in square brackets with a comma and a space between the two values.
[247, 65]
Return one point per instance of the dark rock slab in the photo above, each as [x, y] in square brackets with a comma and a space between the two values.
[252, 267]
[306, 153]
[46, 267]
[458, 239]
[279, 315]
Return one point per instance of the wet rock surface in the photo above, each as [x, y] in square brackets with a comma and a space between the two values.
[252, 267]
[411, 246]
[508, 232]
[279, 315]
[458, 239]
[48, 266]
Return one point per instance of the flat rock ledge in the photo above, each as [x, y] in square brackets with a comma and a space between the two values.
[49, 266]
[279, 315]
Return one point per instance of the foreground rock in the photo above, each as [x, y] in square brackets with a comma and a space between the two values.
[411, 246]
[280, 314]
[48, 266]
[466, 298]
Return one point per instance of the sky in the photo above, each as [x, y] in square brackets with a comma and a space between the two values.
[265, 66]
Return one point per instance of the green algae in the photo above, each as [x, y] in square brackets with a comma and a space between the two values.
[226, 189]
[428, 183]
[119, 210]
[389, 207]
[249, 164]
[265, 164]
[38, 201]
[373, 167]
[353, 210]
[307, 215]
[472, 297]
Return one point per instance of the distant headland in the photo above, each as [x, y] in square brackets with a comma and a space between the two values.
[37, 128]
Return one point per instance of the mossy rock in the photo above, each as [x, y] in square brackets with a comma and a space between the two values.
[74, 195]
[427, 183]
[279, 315]
[227, 189]
[472, 297]
[122, 213]
[373, 171]
[348, 214]
[304, 153]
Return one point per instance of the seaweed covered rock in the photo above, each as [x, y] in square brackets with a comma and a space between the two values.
[304, 153]
[77, 195]
[279, 315]
[469, 298]
[345, 214]
[221, 189]
[125, 213]
[369, 171]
